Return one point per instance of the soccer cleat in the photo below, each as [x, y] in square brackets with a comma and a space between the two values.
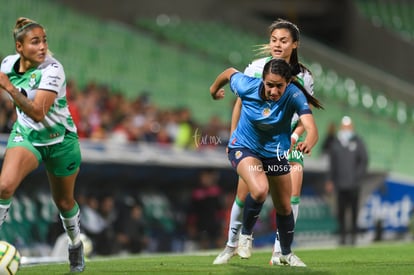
[225, 256]
[291, 260]
[275, 259]
[76, 258]
[245, 246]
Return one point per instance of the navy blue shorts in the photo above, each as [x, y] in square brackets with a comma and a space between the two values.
[277, 166]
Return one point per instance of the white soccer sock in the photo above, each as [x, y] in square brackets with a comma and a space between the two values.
[295, 210]
[72, 228]
[235, 224]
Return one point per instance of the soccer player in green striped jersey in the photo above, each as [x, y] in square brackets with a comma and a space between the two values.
[44, 130]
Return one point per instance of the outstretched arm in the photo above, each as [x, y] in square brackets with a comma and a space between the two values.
[216, 89]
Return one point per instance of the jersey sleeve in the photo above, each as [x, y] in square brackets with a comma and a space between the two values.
[301, 103]
[53, 78]
[255, 69]
[241, 84]
[306, 79]
[250, 70]
[308, 83]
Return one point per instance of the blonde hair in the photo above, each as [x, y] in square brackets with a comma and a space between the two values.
[23, 25]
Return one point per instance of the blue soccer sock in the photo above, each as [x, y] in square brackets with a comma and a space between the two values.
[285, 226]
[251, 214]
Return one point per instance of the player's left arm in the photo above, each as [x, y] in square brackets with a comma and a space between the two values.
[298, 131]
[312, 135]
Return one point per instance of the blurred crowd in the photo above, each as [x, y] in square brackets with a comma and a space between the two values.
[116, 225]
[153, 221]
[102, 114]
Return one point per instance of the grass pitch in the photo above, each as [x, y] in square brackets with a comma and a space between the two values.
[381, 258]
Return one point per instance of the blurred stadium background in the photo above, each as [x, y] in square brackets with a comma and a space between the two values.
[360, 53]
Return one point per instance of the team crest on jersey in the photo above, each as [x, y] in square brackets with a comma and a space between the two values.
[32, 81]
[238, 154]
[18, 138]
[266, 112]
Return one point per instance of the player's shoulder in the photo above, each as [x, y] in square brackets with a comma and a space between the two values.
[8, 62]
[304, 72]
[50, 62]
[256, 66]
[51, 67]
[260, 62]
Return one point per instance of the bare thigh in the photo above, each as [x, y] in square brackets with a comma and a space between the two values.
[281, 190]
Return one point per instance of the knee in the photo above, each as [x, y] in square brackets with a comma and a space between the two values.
[284, 209]
[260, 193]
[65, 204]
[7, 188]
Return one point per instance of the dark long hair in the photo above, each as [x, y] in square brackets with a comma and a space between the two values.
[282, 68]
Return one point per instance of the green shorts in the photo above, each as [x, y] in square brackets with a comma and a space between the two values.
[295, 155]
[61, 159]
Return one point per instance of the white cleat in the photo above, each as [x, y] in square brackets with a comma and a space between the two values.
[291, 260]
[275, 259]
[245, 246]
[225, 256]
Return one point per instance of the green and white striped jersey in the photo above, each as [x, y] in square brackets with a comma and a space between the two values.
[47, 76]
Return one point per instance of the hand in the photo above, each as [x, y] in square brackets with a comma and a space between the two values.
[4, 82]
[304, 148]
[219, 94]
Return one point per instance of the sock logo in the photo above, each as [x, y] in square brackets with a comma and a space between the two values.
[234, 230]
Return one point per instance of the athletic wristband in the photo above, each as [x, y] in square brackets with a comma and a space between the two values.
[295, 136]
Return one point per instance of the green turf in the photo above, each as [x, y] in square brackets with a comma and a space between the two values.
[382, 258]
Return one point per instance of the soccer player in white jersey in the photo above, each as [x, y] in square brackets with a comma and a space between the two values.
[283, 43]
[44, 130]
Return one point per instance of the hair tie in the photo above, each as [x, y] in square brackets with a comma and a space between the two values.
[25, 26]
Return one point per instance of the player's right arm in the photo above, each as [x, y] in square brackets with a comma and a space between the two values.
[216, 89]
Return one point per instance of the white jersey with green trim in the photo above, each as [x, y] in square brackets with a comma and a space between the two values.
[47, 76]
[255, 69]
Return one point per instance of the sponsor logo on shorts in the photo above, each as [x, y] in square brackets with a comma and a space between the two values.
[71, 166]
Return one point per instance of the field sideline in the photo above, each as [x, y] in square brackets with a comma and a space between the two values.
[380, 258]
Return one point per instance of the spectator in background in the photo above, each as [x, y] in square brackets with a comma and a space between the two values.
[93, 224]
[185, 130]
[108, 209]
[132, 229]
[206, 212]
[329, 138]
[348, 164]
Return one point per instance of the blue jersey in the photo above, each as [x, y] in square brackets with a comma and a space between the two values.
[264, 125]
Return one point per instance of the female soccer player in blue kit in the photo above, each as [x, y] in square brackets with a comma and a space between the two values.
[283, 43]
[259, 146]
